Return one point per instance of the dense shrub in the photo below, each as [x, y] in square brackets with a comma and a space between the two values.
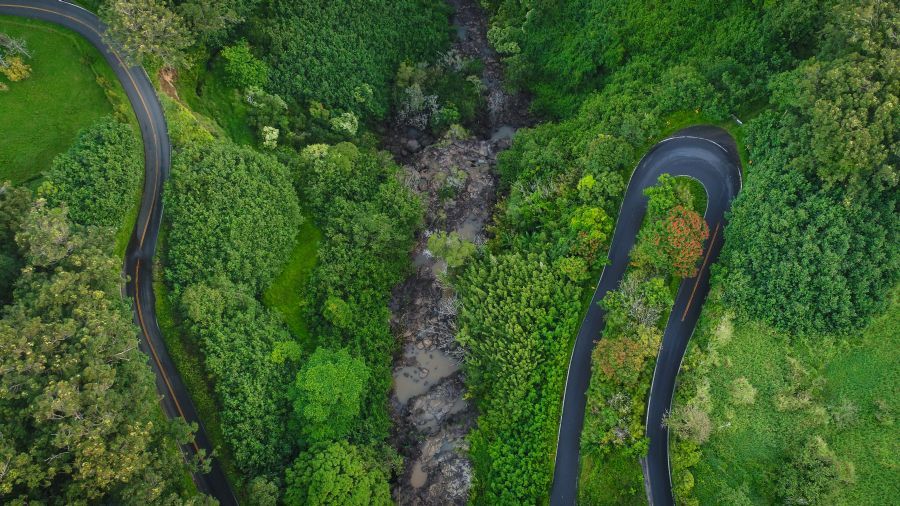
[516, 321]
[237, 336]
[344, 55]
[184, 127]
[795, 256]
[99, 176]
[242, 68]
[564, 51]
[337, 473]
[224, 203]
[813, 243]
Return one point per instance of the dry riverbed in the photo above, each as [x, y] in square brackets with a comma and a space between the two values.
[432, 417]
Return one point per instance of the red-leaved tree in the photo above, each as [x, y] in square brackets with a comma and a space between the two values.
[681, 240]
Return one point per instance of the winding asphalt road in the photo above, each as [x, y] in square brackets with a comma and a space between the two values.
[709, 155]
[705, 153]
[139, 256]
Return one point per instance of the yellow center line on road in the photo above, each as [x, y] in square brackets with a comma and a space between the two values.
[700, 272]
[155, 140]
[136, 90]
[140, 313]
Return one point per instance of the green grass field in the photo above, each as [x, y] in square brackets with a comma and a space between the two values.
[749, 442]
[286, 293]
[41, 115]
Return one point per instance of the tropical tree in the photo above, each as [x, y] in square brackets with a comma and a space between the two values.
[682, 245]
[223, 202]
[79, 410]
[690, 422]
[242, 68]
[148, 31]
[809, 474]
[14, 205]
[211, 20]
[336, 474]
[328, 394]
[99, 176]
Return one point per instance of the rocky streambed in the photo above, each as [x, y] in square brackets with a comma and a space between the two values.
[456, 181]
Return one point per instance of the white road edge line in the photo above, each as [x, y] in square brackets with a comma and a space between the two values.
[678, 371]
[73, 4]
[599, 280]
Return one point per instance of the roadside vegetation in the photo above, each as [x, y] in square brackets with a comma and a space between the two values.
[517, 319]
[80, 413]
[81, 418]
[778, 290]
[79, 410]
[668, 249]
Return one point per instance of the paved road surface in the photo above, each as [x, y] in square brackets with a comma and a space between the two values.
[709, 155]
[139, 256]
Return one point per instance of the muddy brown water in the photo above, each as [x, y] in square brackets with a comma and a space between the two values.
[428, 367]
[419, 476]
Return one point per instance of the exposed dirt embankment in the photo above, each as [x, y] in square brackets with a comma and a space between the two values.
[455, 180]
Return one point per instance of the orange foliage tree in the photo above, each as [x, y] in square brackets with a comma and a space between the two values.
[676, 244]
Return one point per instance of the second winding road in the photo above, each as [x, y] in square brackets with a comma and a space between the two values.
[709, 155]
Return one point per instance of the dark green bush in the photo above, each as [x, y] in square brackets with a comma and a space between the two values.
[100, 176]
[345, 54]
[233, 212]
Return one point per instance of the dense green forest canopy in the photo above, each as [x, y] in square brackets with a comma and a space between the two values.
[224, 202]
[277, 398]
[566, 50]
[813, 243]
[78, 408]
[367, 218]
[345, 54]
[237, 336]
[98, 175]
[812, 249]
